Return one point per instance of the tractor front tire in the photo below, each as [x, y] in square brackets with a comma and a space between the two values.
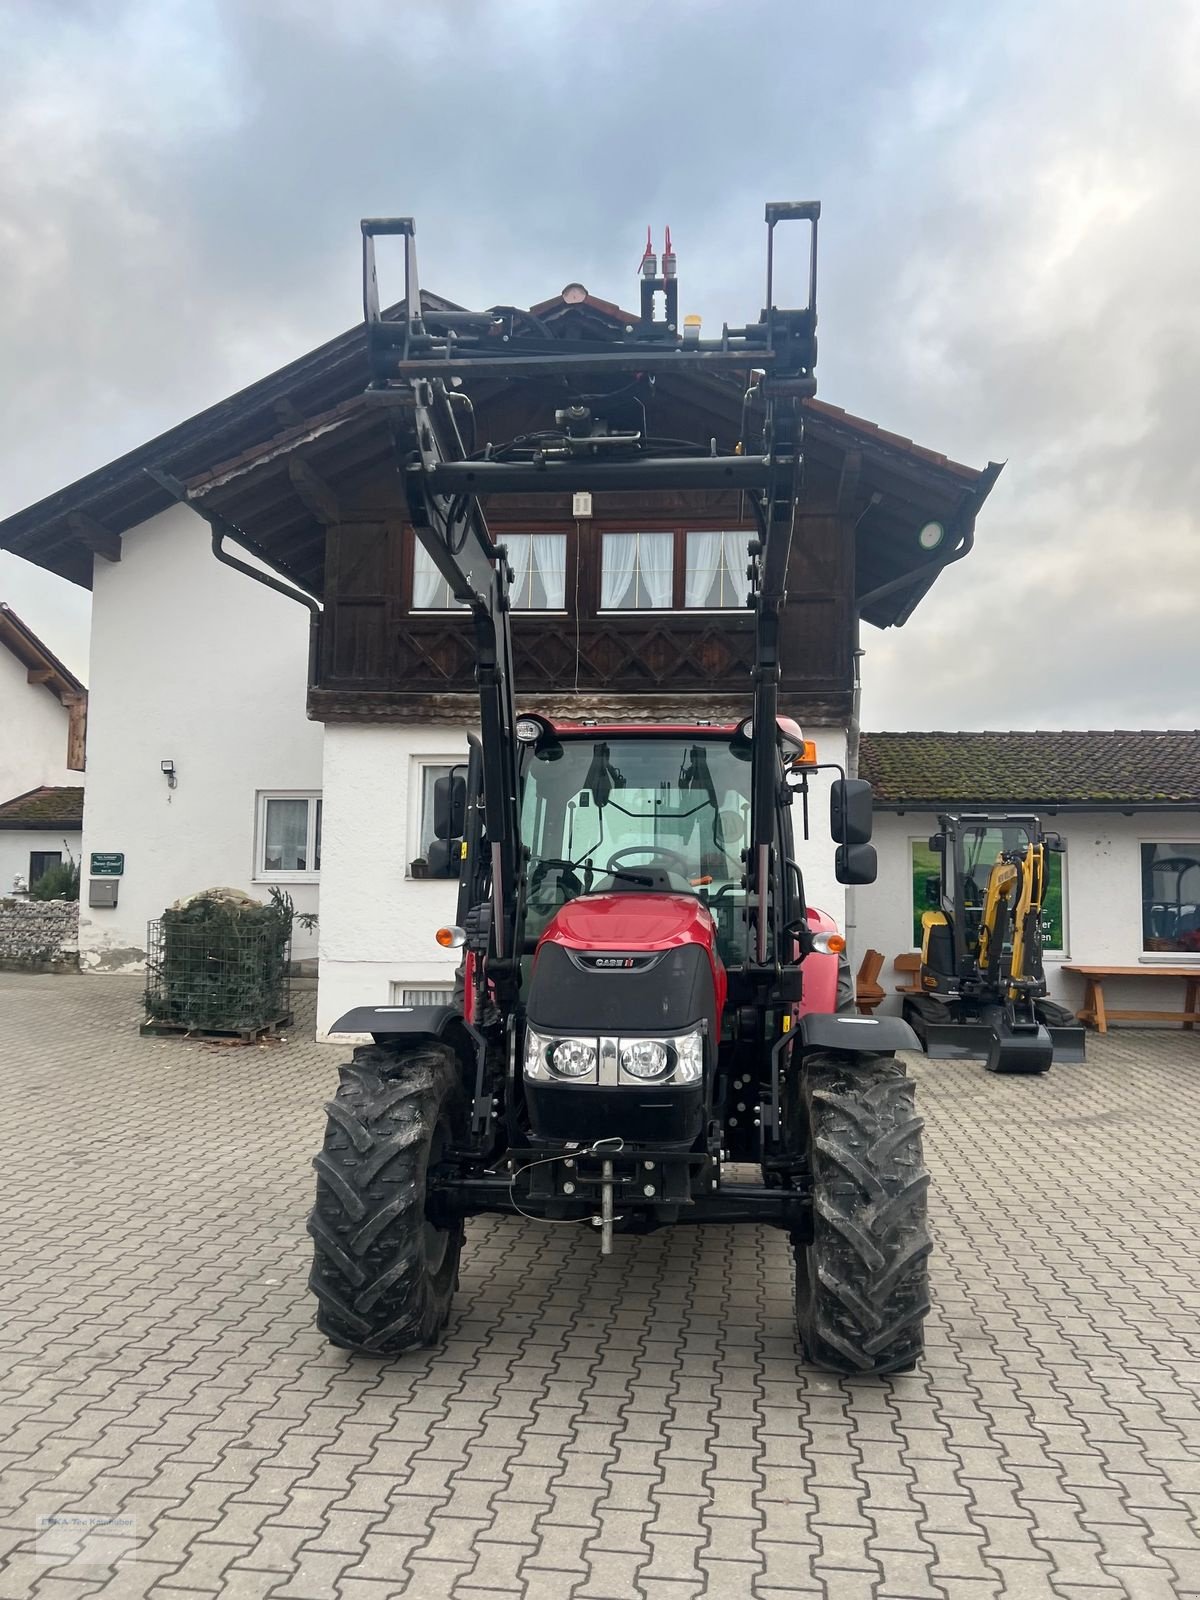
[385, 1261]
[862, 1289]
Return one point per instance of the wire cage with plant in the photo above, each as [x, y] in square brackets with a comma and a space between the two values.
[220, 962]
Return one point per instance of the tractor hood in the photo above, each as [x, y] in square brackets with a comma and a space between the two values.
[621, 960]
[631, 921]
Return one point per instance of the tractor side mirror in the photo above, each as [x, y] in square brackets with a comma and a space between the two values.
[442, 858]
[851, 815]
[933, 890]
[855, 863]
[449, 808]
[937, 843]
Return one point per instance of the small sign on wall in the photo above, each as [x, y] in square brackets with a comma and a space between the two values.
[108, 863]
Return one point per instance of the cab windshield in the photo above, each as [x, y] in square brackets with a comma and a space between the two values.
[979, 849]
[629, 814]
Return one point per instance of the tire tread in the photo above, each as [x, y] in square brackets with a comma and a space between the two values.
[372, 1282]
[862, 1283]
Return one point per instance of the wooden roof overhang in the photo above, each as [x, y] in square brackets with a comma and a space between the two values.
[41, 664]
[42, 667]
[286, 491]
[274, 457]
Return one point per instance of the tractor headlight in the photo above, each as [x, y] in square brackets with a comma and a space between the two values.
[677, 1060]
[573, 1058]
[689, 1056]
[644, 1058]
[548, 1059]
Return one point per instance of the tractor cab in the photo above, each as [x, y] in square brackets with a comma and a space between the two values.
[637, 811]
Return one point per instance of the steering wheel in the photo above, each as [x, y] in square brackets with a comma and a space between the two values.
[669, 857]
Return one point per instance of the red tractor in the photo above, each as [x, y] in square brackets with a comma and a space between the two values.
[645, 1001]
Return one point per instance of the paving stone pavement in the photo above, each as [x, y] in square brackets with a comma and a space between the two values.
[636, 1428]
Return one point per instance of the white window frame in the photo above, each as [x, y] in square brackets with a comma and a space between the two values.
[264, 874]
[417, 770]
[1168, 958]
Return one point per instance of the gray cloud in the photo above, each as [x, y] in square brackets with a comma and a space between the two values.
[1008, 269]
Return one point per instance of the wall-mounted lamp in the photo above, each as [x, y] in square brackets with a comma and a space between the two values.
[168, 772]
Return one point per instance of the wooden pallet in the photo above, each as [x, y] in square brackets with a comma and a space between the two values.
[155, 1029]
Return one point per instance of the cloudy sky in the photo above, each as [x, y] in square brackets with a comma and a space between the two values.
[1010, 258]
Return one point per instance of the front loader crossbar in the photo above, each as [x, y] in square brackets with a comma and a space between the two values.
[647, 473]
[460, 359]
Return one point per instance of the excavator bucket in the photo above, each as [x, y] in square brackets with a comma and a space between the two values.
[1066, 1035]
[989, 1034]
[1018, 1046]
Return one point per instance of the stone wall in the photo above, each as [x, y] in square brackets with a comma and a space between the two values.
[39, 935]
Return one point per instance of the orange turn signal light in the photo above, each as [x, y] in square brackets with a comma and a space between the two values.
[450, 938]
[828, 943]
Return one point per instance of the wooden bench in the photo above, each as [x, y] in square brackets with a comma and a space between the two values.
[1095, 1012]
[908, 964]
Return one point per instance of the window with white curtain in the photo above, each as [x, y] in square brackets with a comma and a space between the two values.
[539, 563]
[431, 592]
[637, 571]
[715, 570]
[289, 835]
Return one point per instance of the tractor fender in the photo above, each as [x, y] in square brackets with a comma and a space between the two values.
[820, 969]
[387, 1022]
[838, 1031]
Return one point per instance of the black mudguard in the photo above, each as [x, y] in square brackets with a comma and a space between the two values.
[837, 1031]
[386, 1022]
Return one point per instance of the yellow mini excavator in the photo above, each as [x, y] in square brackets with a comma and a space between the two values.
[983, 987]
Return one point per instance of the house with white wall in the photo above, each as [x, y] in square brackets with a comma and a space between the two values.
[204, 769]
[43, 731]
[278, 675]
[1126, 890]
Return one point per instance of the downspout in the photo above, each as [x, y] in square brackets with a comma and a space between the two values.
[223, 529]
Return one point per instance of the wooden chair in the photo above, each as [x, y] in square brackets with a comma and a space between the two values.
[868, 991]
[908, 964]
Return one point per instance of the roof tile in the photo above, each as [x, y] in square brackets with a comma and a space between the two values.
[1034, 768]
[44, 807]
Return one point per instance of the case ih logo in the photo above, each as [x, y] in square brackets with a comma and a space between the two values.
[637, 963]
